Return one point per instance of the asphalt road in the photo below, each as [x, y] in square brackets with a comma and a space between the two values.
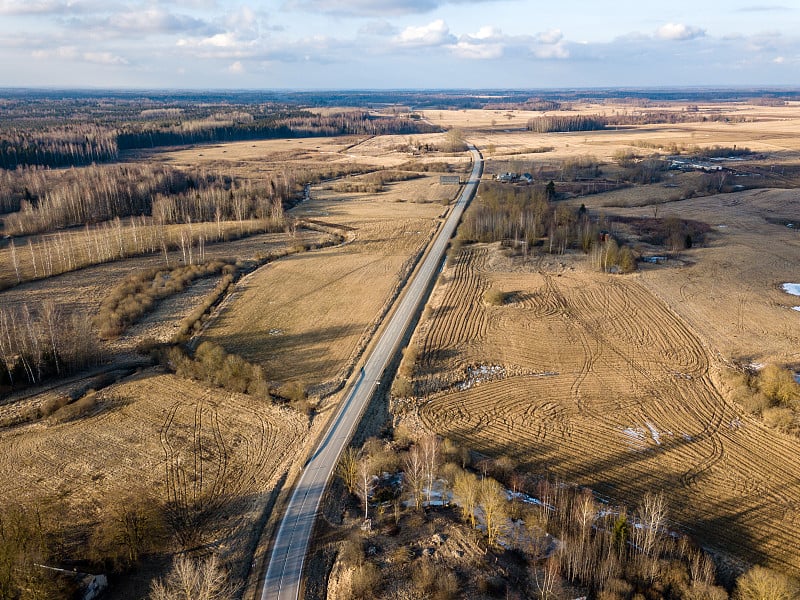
[285, 570]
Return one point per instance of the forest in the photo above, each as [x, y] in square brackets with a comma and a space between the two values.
[73, 131]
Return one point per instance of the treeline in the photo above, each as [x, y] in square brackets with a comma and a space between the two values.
[57, 146]
[88, 195]
[113, 240]
[527, 216]
[76, 145]
[101, 193]
[40, 341]
[372, 182]
[564, 123]
[668, 117]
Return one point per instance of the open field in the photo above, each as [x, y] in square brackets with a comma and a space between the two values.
[602, 384]
[116, 453]
[322, 154]
[303, 318]
[615, 382]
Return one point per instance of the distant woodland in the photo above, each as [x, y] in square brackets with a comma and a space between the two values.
[63, 132]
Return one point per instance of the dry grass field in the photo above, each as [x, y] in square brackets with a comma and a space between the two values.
[614, 381]
[303, 318]
[137, 437]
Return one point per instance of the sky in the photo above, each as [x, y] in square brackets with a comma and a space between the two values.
[398, 44]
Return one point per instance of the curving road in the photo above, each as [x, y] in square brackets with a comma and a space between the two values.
[285, 570]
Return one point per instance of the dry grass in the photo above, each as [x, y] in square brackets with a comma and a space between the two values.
[303, 318]
[118, 445]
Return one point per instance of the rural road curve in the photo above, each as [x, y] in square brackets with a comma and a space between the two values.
[285, 570]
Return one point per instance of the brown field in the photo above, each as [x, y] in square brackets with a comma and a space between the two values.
[614, 382]
[117, 451]
[251, 158]
[304, 318]
[604, 385]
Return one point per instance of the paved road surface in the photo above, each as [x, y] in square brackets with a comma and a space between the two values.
[285, 570]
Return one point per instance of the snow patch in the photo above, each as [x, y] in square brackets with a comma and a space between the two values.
[480, 373]
[791, 288]
[639, 438]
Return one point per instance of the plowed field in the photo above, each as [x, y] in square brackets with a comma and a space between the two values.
[594, 379]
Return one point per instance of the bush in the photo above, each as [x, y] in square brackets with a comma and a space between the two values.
[760, 583]
[779, 385]
[780, 418]
[137, 294]
[366, 579]
[215, 366]
[494, 297]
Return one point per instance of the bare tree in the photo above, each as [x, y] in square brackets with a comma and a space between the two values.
[366, 482]
[493, 502]
[347, 469]
[414, 474]
[646, 537]
[547, 579]
[192, 579]
[430, 446]
[465, 489]
[760, 583]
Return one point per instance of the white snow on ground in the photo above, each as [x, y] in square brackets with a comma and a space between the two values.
[794, 290]
[639, 438]
[791, 288]
[481, 373]
[636, 438]
[654, 433]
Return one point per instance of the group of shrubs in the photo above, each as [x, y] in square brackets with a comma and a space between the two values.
[138, 292]
[213, 365]
[771, 393]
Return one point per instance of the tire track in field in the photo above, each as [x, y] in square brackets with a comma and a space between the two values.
[461, 317]
[638, 410]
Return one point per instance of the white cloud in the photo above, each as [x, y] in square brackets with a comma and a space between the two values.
[237, 68]
[104, 58]
[470, 50]
[371, 8]
[679, 32]
[487, 32]
[38, 7]
[435, 33]
[71, 53]
[551, 36]
[60, 52]
[381, 28]
[553, 51]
